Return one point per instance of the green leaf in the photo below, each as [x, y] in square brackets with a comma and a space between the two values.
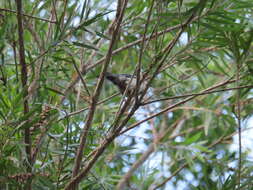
[93, 19]
[192, 139]
[54, 90]
[88, 46]
[102, 35]
[201, 148]
[5, 101]
[220, 68]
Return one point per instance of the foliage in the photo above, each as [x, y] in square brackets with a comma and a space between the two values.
[198, 58]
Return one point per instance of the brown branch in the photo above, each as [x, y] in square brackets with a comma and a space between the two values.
[152, 36]
[138, 67]
[139, 41]
[115, 129]
[123, 181]
[86, 68]
[26, 15]
[165, 52]
[38, 67]
[239, 123]
[75, 180]
[27, 138]
[84, 109]
[83, 71]
[121, 184]
[151, 149]
[193, 94]
[35, 84]
[165, 110]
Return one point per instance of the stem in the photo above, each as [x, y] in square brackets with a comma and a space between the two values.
[27, 137]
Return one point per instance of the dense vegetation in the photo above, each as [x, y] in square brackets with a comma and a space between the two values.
[63, 126]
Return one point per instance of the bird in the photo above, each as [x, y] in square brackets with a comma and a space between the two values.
[122, 81]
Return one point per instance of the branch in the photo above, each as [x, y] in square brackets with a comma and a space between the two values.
[165, 52]
[85, 68]
[34, 17]
[27, 137]
[238, 115]
[115, 129]
[165, 110]
[150, 150]
[202, 93]
[78, 72]
[75, 180]
[121, 184]
[84, 109]
[38, 67]
[89, 67]
[138, 67]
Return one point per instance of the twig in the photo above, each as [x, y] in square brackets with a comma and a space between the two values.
[134, 167]
[35, 83]
[84, 109]
[24, 77]
[193, 94]
[112, 135]
[15, 59]
[165, 52]
[26, 15]
[86, 68]
[43, 125]
[76, 179]
[122, 182]
[54, 12]
[138, 67]
[239, 124]
[165, 110]
[61, 163]
[79, 73]
[100, 61]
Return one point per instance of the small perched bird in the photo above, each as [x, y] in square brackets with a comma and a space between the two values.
[122, 80]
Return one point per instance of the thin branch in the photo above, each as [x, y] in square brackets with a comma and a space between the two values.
[26, 15]
[138, 67]
[43, 125]
[239, 123]
[83, 70]
[66, 149]
[84, 109]
[54, 12]
[121, 184]
[79, 73]
[165, 52]
[14, 44]
[38, 67]
[155, 35]
[27, 138]
[115, 130]
[193, 94]
[165, 110]
[86, 68]
[76, 179]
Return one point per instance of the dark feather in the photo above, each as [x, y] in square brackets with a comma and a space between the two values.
[120, 80]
